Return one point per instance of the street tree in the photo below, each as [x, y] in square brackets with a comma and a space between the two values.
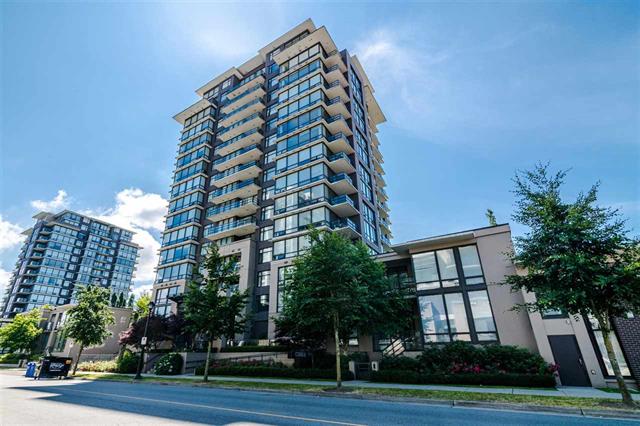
[21, 334]
[491, 217]
[213, 307]
[335, 289]
[114, 299]
[121, 303]
[577, 256]
[88, 321]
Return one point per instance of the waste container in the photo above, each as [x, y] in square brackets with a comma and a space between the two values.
[31, 369]
[54, 366]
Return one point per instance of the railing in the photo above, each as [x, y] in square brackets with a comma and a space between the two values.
[342, 199]
[233, 205]
[242, 108]
[233, 170]
[179, 240]
[237, 138]
[230, 188]
[238, 123]
[241, 95]
[211, 230]
[235, 154]
[339, 177]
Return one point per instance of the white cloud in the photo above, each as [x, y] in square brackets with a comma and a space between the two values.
[142, 213]
[10, 234]
[59, 202]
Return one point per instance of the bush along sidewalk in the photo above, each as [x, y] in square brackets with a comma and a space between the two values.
[127, 364]
[169, 365]
[472, 379]
[273, 371]
[462, 363]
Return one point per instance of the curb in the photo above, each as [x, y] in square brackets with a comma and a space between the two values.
[585, 412]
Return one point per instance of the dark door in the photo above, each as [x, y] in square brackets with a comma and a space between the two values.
[567, 355]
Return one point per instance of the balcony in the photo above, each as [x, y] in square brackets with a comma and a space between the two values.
[251, 137]
[257, 105]
[377, 166]
[338, 124]
[341, 163]
[342, 184]
[339, 143]
[244, 189]
[386, 243]
[335, 90]
[377, 155]
[238, 208]
[379, 179]
[241, 156]
[247, 125]
[347, 227]
[242, 87]
[383, 211]
[335, 58]
[236, 228]
[247, 96]
[382, 194]
[337, 106]
[343, 206]
[385, 226]
[240, 172]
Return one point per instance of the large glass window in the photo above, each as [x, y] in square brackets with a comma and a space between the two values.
[622, 362]
[452, 296]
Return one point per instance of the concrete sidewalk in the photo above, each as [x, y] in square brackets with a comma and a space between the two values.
[577, 392]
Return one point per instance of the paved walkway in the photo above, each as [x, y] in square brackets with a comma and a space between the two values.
[580, 392]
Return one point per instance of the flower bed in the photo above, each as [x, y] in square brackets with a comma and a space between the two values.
[473, 379]
[273, 371]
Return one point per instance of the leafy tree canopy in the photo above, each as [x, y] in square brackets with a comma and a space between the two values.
[22, 333]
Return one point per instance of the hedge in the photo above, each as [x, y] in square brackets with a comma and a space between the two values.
[255, 348]
[257, 371]
[486, 379]
[169, 365]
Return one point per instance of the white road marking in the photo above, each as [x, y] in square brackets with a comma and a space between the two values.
[213, 407]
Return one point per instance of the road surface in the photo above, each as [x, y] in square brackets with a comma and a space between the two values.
[77, 402]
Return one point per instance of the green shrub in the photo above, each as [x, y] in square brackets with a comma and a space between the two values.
[128, 363]
[254, 348]
[263, 371]
[11, 358]
[485, 379]
[169, 364]
[463, 357]
[99, 366]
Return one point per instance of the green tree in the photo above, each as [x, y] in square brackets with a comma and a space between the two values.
[121, 302]
[491, 217]
[213, 307]
[88, 321]
[131, 300]
[577, 256]
[114, 299]
[336, 288]
[21, 334]
[141, 306]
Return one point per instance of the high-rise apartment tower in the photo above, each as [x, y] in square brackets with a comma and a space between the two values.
[65, 250]
[281, 142]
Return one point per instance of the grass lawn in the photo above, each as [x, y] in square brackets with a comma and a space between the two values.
[547, 401]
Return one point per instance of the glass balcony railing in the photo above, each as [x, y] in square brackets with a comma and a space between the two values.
[335, 157]
[211, 211]
[216, 229]
[242, 108]
[344, 223]
[241, 95]
[238, 123]
[233, 170]
[342, 199]
[341, 176]
[235, 154]
[180, 240]
[237, 138]
[230, 188]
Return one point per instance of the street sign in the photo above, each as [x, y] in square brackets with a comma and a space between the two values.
[144, 341]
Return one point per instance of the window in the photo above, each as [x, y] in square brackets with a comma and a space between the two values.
[452, 296]
[369, 224]
[266, 233]
[270, 157]
[266, 255]
[271, 140]
[365, 182]
[267, 193]
[361, 147]
[284, 278]
[263, 278]
[306, 197]
[262, 302]
[291, 247]
[299, 222]
[266, 213]
[269, 174]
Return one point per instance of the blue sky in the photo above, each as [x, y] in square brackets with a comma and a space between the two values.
[472, 92]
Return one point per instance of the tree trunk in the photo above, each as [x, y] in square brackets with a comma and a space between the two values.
[622, 386]
[206, 363]
[75, 367]
[336, 324]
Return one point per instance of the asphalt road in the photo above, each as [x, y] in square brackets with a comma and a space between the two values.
[71, 402]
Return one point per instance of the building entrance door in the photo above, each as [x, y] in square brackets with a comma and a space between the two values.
[568, 357]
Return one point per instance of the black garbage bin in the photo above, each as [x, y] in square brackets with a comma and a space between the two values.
[54, 366]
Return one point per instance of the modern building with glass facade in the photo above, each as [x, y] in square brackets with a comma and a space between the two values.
[281, 142]
[65, 250]
[456, 291]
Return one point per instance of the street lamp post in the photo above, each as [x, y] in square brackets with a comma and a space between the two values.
[144, 342]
